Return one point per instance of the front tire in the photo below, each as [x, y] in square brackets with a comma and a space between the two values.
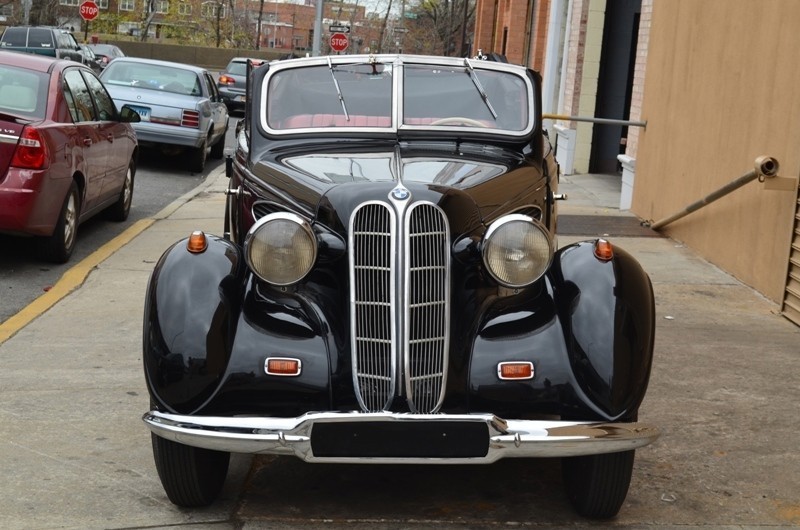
[58, 247]
[191, 476]
[597, 485]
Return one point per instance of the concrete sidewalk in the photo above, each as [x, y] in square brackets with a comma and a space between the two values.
[724, 389]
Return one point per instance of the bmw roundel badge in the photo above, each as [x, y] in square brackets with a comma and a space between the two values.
[400, 194]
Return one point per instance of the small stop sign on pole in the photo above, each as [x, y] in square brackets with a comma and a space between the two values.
[89, 10]
[339, 42]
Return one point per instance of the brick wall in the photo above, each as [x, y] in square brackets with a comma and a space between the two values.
[638, 77]
[484, 25]
[538, 43]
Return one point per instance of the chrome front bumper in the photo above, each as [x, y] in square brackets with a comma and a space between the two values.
[502, 439]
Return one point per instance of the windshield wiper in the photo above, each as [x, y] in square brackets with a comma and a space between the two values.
[338, 91]
[477, 83]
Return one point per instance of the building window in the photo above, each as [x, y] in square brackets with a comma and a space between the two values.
[127, 5]
[162, 6]
[102, 4]
[209, 9]
[184, 8]
[68, 2]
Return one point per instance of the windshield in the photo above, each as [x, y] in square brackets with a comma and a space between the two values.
[236, 68]
[163, 78]
[370, 95]
[450, 96]
[312, 96]
[22, 92]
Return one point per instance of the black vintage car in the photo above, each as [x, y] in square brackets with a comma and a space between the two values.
[388, 289]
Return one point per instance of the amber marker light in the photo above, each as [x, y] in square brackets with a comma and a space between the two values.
[515, 370]
[198, 242]
[283, 366]
[603, 250]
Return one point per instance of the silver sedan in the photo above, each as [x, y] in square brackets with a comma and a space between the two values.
[179, 105]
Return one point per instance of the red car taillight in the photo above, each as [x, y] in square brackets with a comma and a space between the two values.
[226, 80]
[190, 118]
[31, 151]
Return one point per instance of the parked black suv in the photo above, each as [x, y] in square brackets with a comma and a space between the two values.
[55, 42]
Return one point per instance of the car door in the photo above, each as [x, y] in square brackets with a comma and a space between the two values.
[69, 47]
[112, 131]
[92, 148]
[219, 111]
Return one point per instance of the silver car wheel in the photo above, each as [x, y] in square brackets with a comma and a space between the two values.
[70, 221]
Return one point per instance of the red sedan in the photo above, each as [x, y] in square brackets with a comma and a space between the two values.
[66, 152]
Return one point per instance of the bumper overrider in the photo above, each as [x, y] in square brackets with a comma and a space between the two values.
[388, 438]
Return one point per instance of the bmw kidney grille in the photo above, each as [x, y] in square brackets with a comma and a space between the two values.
[399, 272]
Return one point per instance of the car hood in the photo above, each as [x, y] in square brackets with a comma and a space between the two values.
[472, 184]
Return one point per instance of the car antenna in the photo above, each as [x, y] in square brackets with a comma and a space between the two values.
[338, 91]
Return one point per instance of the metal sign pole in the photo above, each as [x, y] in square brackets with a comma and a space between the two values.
[315, 50]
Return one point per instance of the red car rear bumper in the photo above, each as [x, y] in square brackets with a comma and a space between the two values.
[26, 207]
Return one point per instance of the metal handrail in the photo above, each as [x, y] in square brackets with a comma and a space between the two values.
[765, 167]
[602, 121]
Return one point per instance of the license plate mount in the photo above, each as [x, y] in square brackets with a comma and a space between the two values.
[143, 112]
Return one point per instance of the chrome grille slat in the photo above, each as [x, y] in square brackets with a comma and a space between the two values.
[427, 304]
[379, 239]
[422, 341]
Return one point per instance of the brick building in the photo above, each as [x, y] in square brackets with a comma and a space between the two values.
[287, 26]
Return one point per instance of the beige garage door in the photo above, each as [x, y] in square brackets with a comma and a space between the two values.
[791, 301]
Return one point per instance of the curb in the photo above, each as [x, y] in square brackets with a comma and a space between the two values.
[75, 276]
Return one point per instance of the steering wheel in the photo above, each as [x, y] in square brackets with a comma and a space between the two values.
[456, 120]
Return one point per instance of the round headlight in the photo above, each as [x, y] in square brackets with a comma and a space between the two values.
[280, 248]
[517, 250]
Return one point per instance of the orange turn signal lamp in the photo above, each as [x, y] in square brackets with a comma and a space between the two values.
[283, 366]
[197, 243]
[603, 250]
[515, 370]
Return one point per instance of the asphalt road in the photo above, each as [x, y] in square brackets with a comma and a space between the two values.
[159, 180]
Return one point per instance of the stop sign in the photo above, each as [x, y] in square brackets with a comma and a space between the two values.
[89, 10]
[339, 42]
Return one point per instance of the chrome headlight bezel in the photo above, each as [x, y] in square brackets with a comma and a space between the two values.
[256, 247]
[539, 259]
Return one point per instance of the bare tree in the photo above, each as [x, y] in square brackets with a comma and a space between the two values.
[449, 22]
[383, 26]
[149, 13]
[258, 26]
[219, 9]
[44, 13]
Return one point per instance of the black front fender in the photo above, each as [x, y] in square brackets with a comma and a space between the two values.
[190, 314]
[607, 312]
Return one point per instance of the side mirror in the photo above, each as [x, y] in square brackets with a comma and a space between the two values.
[128, 115]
